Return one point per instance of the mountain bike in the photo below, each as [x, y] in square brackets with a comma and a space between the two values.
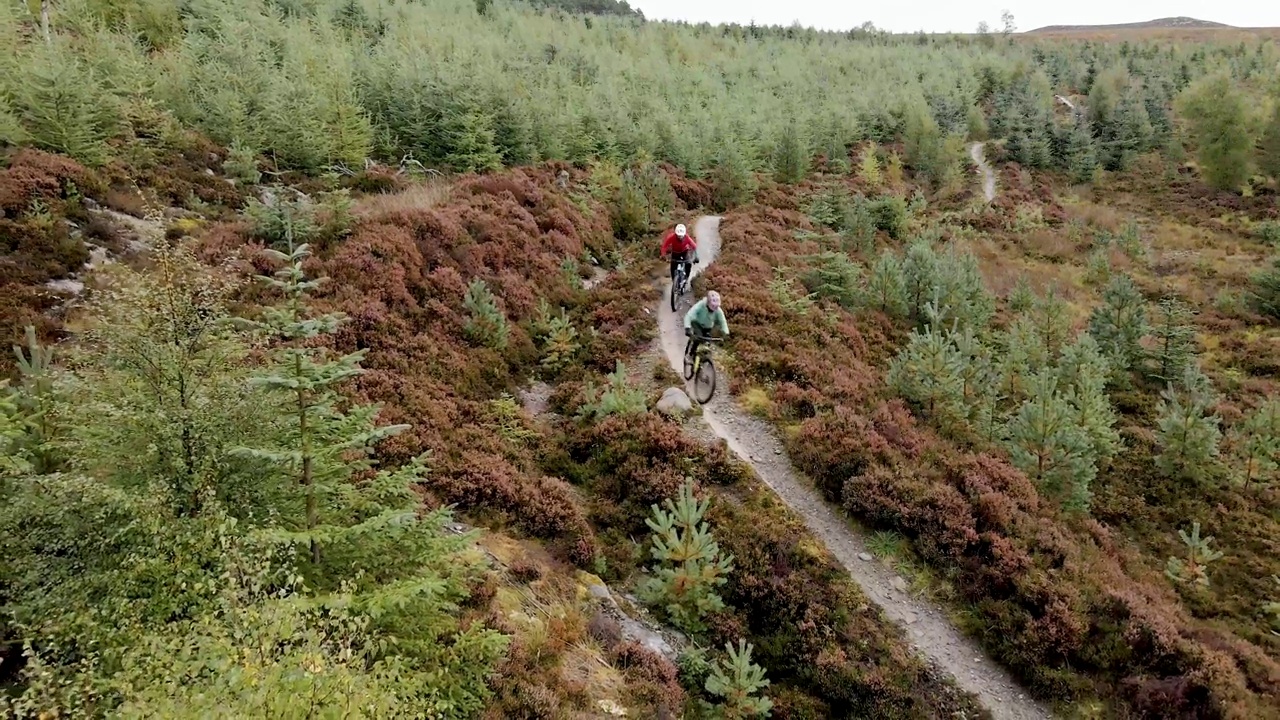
[700, 368]
[679, 286]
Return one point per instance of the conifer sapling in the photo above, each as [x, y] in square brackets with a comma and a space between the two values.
[691, 565]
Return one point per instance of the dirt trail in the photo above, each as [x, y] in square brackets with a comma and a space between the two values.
[988, 175]
[755, 442]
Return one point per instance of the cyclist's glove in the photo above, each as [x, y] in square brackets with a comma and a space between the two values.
[688, 332]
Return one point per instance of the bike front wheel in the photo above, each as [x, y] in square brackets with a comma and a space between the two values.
[704, 384]
[688, 362]
[675, 293]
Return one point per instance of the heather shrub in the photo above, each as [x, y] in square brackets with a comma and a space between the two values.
[617, 397]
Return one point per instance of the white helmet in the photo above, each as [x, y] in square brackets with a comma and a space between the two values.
[680, 231]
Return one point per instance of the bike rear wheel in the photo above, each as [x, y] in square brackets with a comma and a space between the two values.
[704, 384]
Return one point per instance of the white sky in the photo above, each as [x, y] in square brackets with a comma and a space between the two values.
[953, 16]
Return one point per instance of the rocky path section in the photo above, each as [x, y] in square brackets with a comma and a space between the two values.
[926, 625]
[988, 175]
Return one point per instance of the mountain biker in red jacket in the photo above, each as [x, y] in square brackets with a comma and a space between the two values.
[679, 243]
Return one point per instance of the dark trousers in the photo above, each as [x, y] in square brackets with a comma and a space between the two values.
[678, 258]
[696, 333]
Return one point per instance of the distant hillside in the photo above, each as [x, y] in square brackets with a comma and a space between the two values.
[592, 7]
[1180, 23]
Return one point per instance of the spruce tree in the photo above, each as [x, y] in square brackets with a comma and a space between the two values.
[886, 285]
[869, 167]
[1080, 152]
[732, 182]
[691, 565]
[1120, 323]
[834, 276]
[1200, 553]
[36, 405]
[1046, 442]
[319, 435]
[1175, 340]
[790, 155]
[1218, 122]
[1188, 436]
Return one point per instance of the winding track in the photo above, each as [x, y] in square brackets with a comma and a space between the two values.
[754, 441]
[988, 175]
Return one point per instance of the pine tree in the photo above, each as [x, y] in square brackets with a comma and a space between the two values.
[930, 372]
[486, 323]
[1175, 340]
[1264, 293]
[1187, 434]
[691, 563]
[1218, 121]
[319, 435]
[1083, 371]
[62, 105]
[1257, 444]
[886, 285]
[736, 681]
[1127, 133]
[1119, 325]
[1200, 553]
[1047, 444]
[732, 182]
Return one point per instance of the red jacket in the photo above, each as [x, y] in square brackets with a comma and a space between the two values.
[674, 244]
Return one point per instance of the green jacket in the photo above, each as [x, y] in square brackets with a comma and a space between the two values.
[705, 318]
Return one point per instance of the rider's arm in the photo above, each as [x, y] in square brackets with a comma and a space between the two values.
[667, 242]
[724, 323]
[688, 317]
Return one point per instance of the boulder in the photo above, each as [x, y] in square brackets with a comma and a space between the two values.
[675, 402]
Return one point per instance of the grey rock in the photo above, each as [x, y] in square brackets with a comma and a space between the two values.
[898, 584]
[675, 402]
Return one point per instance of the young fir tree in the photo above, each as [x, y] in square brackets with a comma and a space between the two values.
[1119, 324]
[1127, 133]
[1188, 436]
[691, 565]
[1218, 123]
[1080, 152]
[1175, 340]
[732, 182]
[1047, 444]
[736, 681]
[1264, 293]
[1257, 444]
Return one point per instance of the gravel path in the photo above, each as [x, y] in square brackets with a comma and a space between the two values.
[926, 626]
[988, 175]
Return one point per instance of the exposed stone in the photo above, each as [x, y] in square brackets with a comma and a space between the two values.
[898, 584]
[675, 402]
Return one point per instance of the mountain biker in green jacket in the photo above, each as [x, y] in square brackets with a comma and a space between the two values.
[699, 321]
